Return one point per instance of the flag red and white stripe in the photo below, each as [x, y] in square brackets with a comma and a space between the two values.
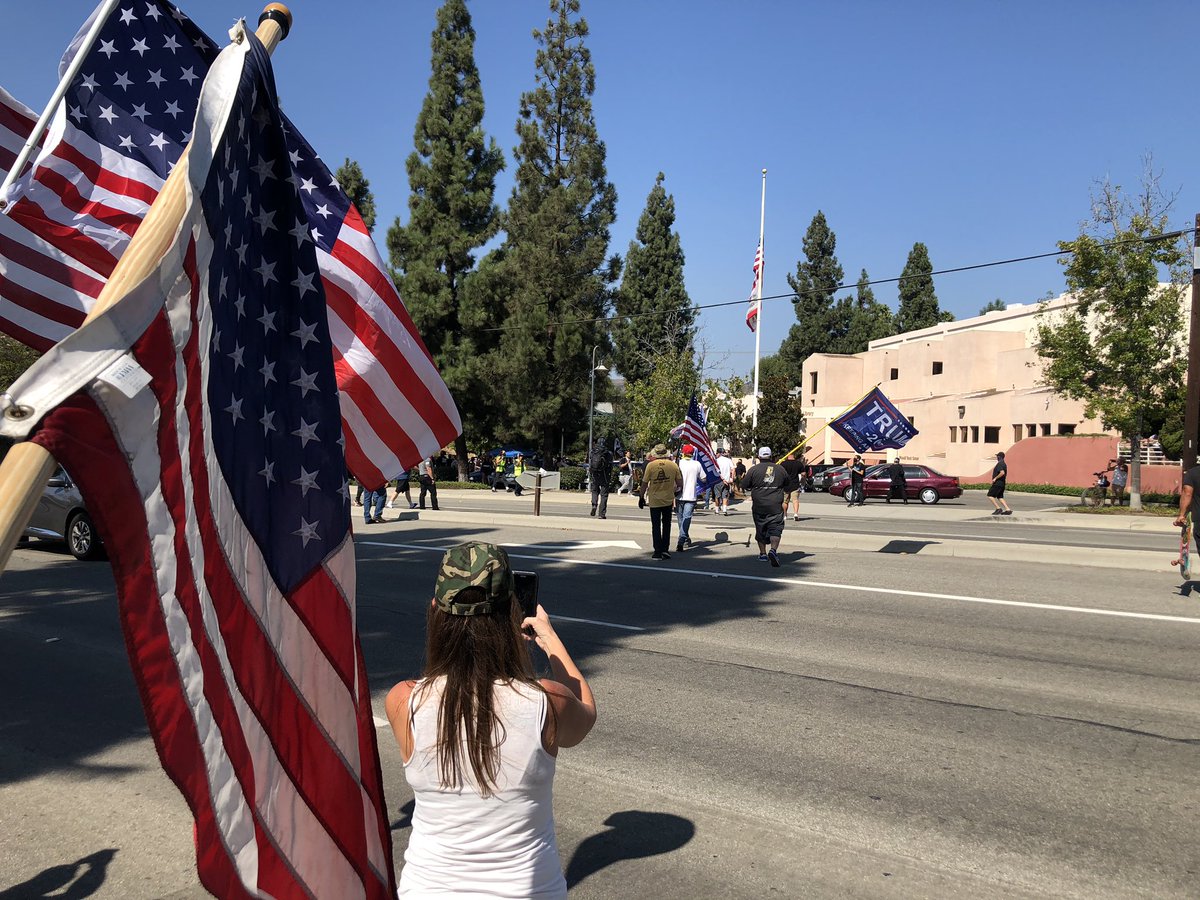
[755, 290]
[84, 196]
[237, 590]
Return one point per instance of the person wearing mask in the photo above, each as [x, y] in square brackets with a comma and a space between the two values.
[661, 481]
[479, 736]
[692, 474]
[428, 482]
[767, 484]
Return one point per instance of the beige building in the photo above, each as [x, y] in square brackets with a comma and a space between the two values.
[969, 387]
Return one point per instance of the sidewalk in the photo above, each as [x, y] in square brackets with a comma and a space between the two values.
[509, 511]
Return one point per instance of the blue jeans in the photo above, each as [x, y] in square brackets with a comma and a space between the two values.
[685, 510]
[376, 499]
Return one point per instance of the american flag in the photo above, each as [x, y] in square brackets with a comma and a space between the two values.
[755, 290]
[120, 129]
[213, 464]
[695, 432]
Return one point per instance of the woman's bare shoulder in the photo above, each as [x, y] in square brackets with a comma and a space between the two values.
[397, 697]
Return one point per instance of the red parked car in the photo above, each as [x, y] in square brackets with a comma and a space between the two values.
[921, 483]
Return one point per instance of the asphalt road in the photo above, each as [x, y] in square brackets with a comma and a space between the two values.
[851, 724]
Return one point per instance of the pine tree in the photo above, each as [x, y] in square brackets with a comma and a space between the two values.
[662, 320]
[452, 212]
[918, 302]
[557, 227]
[350, 176]
[872, 320]
[817, 279]
[996, 305]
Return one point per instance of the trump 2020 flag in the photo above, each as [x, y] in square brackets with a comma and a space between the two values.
[694, 431]
[122, 124]
[874, 423]
[199, 416]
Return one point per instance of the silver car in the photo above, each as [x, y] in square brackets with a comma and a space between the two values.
[61, 516]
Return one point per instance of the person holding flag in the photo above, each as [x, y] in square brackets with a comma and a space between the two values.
[692, 474]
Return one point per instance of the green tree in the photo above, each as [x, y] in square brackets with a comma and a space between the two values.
[871, 320]
[918, 302]
[452, 213]
[350, 176]
[780, 415]
[1119, 348]
[656, 405]
[817, 278]
[996, 305]
[652, 294]
[15, 358]
[557, 226]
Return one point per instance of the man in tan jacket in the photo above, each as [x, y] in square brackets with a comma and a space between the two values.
[661, 481]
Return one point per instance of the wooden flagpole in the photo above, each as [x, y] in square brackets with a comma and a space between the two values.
[27, 466]
[809, 437]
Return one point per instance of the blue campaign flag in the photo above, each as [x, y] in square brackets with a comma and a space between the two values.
[874, 423]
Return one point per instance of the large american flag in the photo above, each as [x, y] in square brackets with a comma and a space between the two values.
[755, 290]
[212, 460]
[121, 127]
[695, 432]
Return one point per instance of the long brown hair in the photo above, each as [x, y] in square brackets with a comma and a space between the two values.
[473, 653]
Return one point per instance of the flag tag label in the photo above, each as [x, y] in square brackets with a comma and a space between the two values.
[126, 376]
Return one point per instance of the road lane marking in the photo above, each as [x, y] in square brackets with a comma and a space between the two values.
[596, 621]
[581, 545]
[800, 582]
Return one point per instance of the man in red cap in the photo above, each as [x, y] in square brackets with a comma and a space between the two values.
[693, 474]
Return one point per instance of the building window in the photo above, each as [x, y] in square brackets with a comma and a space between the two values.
[1045, 429]
[991, 434]
[1066, 429]
[962, 433]
[1018, 433]
[1030, 431]
[953, 435]
[812, 382]
[895, 374]
[937, 367]
[974, 434]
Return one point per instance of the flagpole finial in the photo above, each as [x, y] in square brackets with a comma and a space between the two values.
[764, 171]
[280, 15]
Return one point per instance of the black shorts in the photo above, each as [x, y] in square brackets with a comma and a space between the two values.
[768, 523]
[996, 490]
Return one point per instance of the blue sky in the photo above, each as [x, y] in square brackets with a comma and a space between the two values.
[977, 128]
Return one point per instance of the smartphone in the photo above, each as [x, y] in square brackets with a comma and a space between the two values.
[527, 591]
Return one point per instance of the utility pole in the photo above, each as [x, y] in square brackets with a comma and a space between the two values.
[1191, 413]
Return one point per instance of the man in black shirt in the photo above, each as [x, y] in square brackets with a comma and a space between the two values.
[768, 485]
[996, 491]
[858, 471]
[794, 467]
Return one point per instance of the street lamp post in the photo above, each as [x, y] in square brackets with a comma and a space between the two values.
[592, 411]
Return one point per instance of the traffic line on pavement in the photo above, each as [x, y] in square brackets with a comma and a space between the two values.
[801, 582]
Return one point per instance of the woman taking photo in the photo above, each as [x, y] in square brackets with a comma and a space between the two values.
[479, 735]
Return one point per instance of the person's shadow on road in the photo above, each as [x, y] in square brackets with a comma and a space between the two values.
[80, 879]
[632, 834]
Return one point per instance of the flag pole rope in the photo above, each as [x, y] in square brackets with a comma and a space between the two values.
[27, 466]
[809, 437]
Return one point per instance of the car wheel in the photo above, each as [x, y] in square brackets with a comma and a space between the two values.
[929, 495]
[81, 538]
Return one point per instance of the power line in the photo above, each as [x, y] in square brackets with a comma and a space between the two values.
[1169, 235]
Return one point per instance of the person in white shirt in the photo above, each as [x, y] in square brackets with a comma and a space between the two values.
[725, 488]
[685, 506]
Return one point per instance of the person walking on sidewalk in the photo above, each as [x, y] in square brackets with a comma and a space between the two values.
[599, 473]
[996, 491]
[374, 500]
[768, 485]
[403, 489]
[725, 488]
[625, 473]
[794, 467]
[685, 507]
[428, 482]
[661, 481]
[898, 490]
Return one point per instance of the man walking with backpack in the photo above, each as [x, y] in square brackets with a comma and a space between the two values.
[599, 473]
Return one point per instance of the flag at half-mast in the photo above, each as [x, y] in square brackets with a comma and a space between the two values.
[122, 125]
[874, 423]
[755, 290]
[199, 416]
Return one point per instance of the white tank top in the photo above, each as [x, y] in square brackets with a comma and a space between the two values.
[466, 846]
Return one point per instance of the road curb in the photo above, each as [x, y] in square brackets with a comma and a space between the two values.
[740, 530]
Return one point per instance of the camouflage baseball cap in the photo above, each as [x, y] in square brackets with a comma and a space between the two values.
[474, 564]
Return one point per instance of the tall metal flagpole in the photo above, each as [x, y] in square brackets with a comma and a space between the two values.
[40, 128]
[762, 268]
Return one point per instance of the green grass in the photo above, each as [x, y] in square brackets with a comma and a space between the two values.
[1158, 510]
